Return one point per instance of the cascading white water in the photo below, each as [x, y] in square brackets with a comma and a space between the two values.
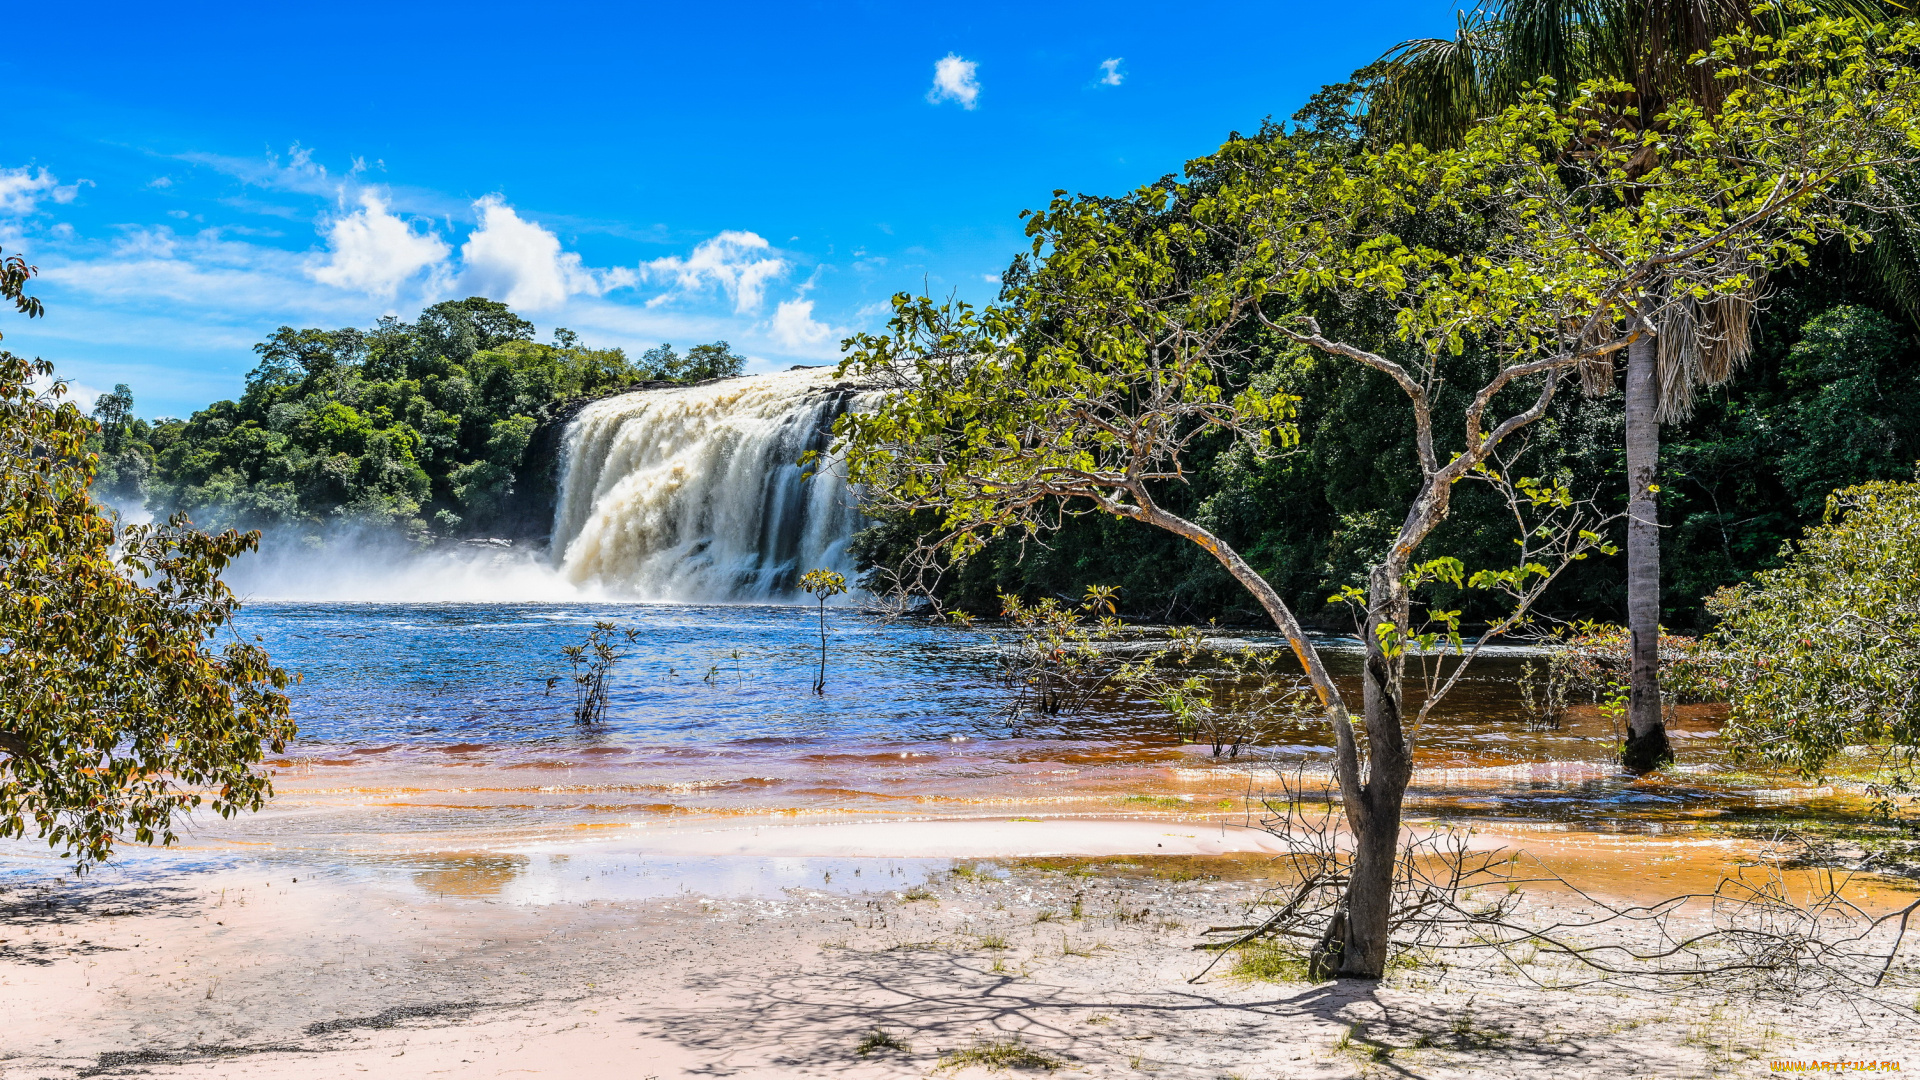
[696, 494]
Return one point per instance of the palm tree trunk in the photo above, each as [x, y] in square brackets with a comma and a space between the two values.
[1646, 745]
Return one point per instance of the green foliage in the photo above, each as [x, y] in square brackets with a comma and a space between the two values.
[118, 712]
[702, 362]
[1824, 404]
[997, 1055]
[123, 447]
[15, 273]
[1746, 472]
[822, 585]
[1592, 659]
[429, 426]
[881, 1039]
[1054, 661]
[1055, 658]
[1225, 698]
[1853, 408]
[1823, 653]
[592, 665]
[1269, 960]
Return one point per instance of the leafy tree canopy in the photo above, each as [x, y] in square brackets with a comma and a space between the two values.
[119, 708]
[425, 427]
[1823, 652]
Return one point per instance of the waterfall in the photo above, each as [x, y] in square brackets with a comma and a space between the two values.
[696, 494]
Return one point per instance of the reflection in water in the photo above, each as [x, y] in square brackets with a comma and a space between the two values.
[468, 876]
[581, 878]
[430, 727]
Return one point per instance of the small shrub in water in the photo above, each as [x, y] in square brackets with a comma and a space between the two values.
[822, 585]
[592, 663]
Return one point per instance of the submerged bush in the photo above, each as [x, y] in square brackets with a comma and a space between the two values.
[1824, 652]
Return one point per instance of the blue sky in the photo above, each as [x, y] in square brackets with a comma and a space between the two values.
[190, 176]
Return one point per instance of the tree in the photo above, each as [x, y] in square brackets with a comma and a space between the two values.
[702, 362]
[117, 711]
[1102, 369]
[459, 328]
[390, 427]
[1823, 653]
[113, 412]
[1434, 90]
[1854, 418]
[715, 361]
[15, 272]
[822, 585]
[290, 356]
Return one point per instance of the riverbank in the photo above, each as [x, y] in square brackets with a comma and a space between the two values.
[771, 952]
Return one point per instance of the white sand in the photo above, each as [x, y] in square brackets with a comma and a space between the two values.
[437, 972]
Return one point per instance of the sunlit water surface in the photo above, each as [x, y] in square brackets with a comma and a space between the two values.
[432, 726]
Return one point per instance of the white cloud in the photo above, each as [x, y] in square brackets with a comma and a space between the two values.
[187, 300]
[953, 80]
[740, 263]
[81, 394]
[300, 174]
[199, 271]
[794, 325]
[1110, 72]
[156, 243]
[22, 190]
[374, 252]
[520, 262]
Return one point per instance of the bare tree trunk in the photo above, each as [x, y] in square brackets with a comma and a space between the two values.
[1646, 745]
[1269, 599]
[1376, 829]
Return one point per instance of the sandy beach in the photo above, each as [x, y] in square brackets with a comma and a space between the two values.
[894, 949]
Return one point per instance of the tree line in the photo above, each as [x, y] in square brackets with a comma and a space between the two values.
[424, 428]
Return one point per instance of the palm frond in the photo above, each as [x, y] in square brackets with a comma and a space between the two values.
[1431, 90]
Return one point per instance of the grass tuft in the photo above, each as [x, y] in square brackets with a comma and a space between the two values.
[917, 893]
[1181, 873]
[1269, 961]
[998, 1055]
[1162, 802]
[1068, 948]
[882, 1039]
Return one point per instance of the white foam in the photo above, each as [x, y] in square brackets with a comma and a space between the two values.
[697, 494]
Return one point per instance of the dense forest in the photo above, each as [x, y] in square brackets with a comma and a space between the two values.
[1830, 397]
[447, 427]
[443, 427]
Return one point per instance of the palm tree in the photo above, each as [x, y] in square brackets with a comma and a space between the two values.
[1432, 90]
